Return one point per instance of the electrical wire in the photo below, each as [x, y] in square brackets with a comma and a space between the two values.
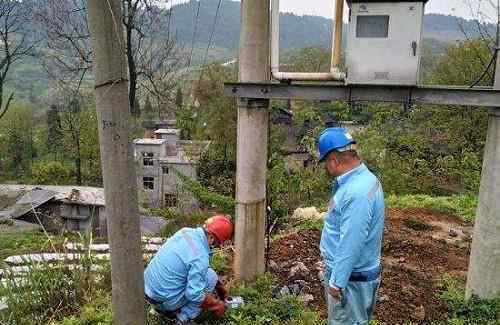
[212, 32]
[194, 34]
[494, 57]
[485, 72]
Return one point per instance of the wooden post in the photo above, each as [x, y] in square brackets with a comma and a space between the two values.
[120, 189]
[484, 268]
[249, 259]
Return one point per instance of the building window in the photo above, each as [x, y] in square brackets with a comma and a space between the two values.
[170, 200]
[148, 183]
[147, 158]
[372, 26]
[165, 170]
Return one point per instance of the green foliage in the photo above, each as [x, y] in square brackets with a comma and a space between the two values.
[473, 311]
[261, 308]
[222, 203]
[19, 243]
[219, 261]
[430, 150]
[43, 295]
[135, 110]
[96, 312]
[217, 170]
[148, 109]
[463, 206]
[463, 64]
[177, 220]
[54, 133]
[51, 173]
[16, 142]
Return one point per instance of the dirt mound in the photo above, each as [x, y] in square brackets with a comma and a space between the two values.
[419, 248]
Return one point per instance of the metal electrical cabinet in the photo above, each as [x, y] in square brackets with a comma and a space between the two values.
[384, 42]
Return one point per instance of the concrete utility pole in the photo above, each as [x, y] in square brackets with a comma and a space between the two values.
[484, 268]
[110, 71]
[249, 259]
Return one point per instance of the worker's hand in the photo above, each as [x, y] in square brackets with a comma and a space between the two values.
[213, 304]
[335, 292]
[221, 290]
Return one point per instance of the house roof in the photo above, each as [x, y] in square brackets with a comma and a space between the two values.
[39, 194]
[155, 142]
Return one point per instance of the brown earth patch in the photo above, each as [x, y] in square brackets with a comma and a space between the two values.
[414, 262]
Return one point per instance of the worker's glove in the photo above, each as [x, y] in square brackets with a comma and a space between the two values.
[213, 304]
[221, 290]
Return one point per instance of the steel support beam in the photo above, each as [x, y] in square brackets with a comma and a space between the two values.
[484, 97]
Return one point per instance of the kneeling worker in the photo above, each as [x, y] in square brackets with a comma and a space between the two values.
[178, 281]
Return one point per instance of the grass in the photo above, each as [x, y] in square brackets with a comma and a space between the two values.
[27, 242]
[462, 206]
[473, 311]
[262, 308]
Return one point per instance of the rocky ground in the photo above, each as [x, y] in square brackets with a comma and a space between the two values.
[419, 248]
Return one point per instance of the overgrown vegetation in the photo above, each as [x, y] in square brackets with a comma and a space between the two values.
[463, 206]
[473, 311]
[34, 241]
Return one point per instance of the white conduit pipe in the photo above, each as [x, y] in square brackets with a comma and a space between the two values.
[333, 75]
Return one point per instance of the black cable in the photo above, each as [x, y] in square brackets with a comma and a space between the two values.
[169, 21]
[485, 72]
[194, 33]
[212, 32]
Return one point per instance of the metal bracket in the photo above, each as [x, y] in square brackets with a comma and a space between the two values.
[253, 102]
[250, 93]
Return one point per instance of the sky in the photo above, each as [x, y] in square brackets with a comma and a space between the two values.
[324, 7]
[461, 8]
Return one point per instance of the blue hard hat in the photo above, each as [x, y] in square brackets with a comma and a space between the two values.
[333, 139]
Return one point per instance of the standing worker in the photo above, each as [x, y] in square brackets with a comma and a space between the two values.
[351, 241]
[178, 281]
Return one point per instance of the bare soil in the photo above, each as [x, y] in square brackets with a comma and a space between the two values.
[414, 262]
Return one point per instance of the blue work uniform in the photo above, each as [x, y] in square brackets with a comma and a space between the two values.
[178, 277]
[351, 245]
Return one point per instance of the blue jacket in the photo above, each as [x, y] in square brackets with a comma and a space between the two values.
[179, 269]
[352, 235]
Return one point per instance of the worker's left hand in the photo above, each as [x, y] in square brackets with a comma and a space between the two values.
[221, 290]
[335, 292]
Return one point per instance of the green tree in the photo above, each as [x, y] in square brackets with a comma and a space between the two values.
[54, 134]
[148, 109]
[179, 99]
[135, 110]
[51, 173]
[16, 143]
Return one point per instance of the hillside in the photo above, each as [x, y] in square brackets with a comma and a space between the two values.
[296, 31]
[30, 84]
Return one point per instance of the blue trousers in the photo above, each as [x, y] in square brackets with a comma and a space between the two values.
[187, 309]
[356, 304]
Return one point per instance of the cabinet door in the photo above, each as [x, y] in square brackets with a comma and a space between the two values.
[384, 41]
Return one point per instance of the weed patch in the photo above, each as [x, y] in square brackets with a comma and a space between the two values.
[463, 206]
[20, 243]
[473, 311]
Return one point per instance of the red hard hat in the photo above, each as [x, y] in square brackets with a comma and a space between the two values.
[220, 226]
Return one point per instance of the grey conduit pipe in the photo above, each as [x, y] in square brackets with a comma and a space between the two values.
[334, 75]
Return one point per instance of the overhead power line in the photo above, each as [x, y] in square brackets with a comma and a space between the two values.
[194, 33]
[212, 32]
